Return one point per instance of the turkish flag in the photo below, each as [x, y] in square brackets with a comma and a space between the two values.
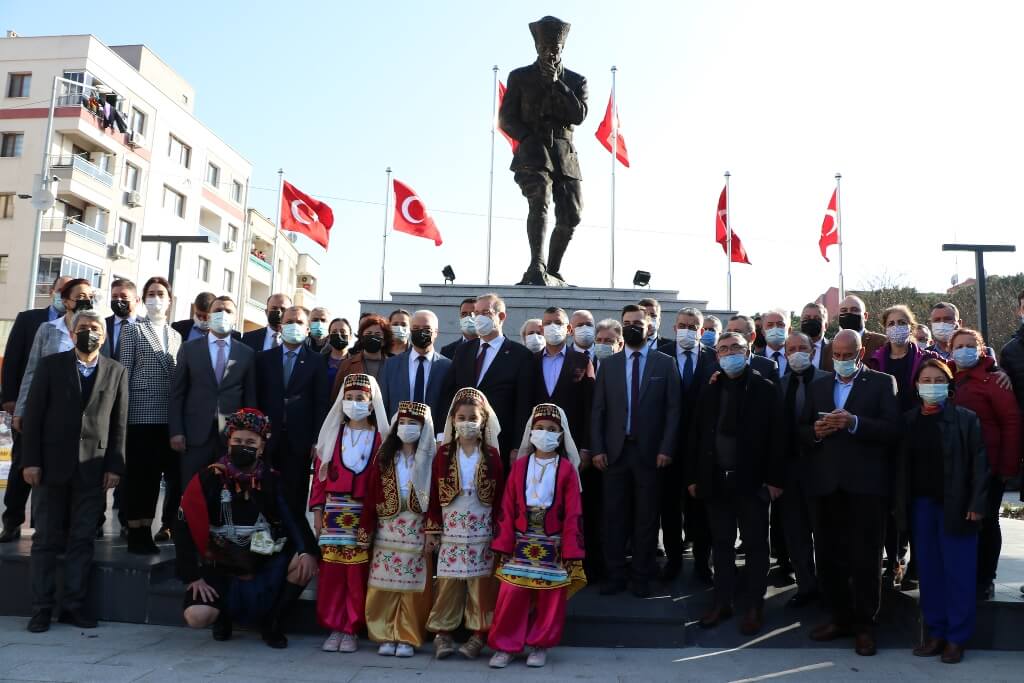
[302, 213]
[829, 227]
[411, 215]
[611, 127]
[739, 254]
[501, 98]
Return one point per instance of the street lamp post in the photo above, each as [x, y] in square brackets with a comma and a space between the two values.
[979, 263]
[174, 241]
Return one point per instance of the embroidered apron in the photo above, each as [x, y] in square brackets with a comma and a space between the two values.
[398, 563]
[340, 523]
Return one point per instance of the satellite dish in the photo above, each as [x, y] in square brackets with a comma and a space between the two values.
[43, 200]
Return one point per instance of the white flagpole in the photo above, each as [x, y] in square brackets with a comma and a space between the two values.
[839, 234]
[615, 152]
[728, 242]
[277, 229]
[384, 248]
[490, 191]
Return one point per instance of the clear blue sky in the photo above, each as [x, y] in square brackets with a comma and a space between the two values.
[916, 103]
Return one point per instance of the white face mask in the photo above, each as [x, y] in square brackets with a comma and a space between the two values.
[686, 339]
[584, 336]
[943, 331]
[156, 307]
[409, 433]
[222, 322]
[468, 430]
[467, 325]
[356, 410]
[602, 351]
[484, 325]
[400, 332]
[544, 440]
[555, 334]
[799, 361]
[534, 342]
[204, 325]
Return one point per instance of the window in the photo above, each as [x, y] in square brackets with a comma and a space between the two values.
[233, 233]
[125, 232]
[180, 152]
[236, 191]
[213, 174]
[3, 269]
[229, 281]
[6, 206]
[18, 85]
[51, 267]
[10, 144]
[203, 271]
[131, 177]
[174, 202]
[138, 122]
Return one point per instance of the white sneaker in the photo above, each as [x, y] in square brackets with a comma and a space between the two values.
[499, 660]
[386, 650]
[333, 641]
[348, 643]
[538, 657]
[404, 650]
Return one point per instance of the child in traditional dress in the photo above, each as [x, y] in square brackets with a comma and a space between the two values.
[398, 598]
[466, 486]
[349, 440]
[539, 541]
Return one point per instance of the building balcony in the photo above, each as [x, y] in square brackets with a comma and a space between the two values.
[206, 232]
[258, 305]
[259, 263]
[73, 167]
[75, 227]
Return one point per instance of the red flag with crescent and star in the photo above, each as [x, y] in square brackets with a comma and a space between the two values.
[301, 213]
[501, 98]
[739, 254]
[411, 215]
[829, 228]
[610, 125]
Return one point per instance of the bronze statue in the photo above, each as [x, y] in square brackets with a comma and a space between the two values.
[542, 104]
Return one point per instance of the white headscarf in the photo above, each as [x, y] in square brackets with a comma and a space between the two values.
[491, 429]
[423, 461]
[526, 448]
[335, 421]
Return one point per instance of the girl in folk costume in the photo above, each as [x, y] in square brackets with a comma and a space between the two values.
[465, 487]
[394, 516]
[539, 541]
[349, 439]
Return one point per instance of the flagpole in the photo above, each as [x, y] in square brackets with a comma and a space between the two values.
[490, 191]
[277, 229]
[615, 152]
[384, 249]
[839, 234]
[728, 242]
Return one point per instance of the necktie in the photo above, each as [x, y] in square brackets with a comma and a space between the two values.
[688, 369]
[417, 388]
[289, 365]
[775, 357]
[222, 359]
[634, 395]
[480, 361]
[117, 336]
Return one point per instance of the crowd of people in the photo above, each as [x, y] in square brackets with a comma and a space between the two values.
[482, 484]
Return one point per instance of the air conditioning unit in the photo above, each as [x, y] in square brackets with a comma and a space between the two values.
[118, 251]
[306, 280]
[229, 245]
[132, 139]
[134, 199]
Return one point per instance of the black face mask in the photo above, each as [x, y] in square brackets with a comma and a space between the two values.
[421, 339]
[851, 321]
[82, 305]
[87, 341]
[634, 335]
[120, 307]
[242, 457]
[759, 339]
[372, 343]
[275, 317]
[811, 327]
[338, 341]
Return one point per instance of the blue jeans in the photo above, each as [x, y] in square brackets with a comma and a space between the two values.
[947, 568]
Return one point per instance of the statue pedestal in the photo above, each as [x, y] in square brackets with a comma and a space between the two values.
[523, 302]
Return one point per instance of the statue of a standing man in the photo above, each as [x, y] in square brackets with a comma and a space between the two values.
[542, 104]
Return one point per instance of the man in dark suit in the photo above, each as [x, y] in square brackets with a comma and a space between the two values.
[499, 367]
[696, 364]
[73, 431]
[853, 316]
[744, 326]
[850, 424]
[467, 328]
[418, 374]
[124, 298]
[266, 338]
[213, 378]
[634, 425]
[197, 326]
[813, 323]
[653, 308]
[607, 341]
[19, 343]
[795, 506]
[291, 389]
[736, 469]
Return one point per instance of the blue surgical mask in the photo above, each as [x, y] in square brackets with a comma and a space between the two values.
[294, 333]
[686, 339]
[733, 365]
[58, 303]
[965, 357]
[775, 336]
[709, 338]
[845, 368]
[799, 360]
[318, 328]
[602, 351]
[933, 393]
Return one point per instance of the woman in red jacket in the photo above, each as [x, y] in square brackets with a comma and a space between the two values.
[975, 388]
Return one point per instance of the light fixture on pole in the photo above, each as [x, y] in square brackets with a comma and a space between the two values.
[449, 275]
[174, 241]
[979, 263]
[642, 278]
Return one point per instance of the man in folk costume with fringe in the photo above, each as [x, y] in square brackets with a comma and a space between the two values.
[398, 597]
[539, 541]
[241, 553]
[349, 439]
[466, 486]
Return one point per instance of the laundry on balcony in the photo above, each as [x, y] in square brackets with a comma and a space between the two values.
[110, 116]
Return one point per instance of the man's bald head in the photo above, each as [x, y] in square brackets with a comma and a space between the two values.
[846, 345]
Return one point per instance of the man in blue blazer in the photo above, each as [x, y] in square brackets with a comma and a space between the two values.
[419, 373]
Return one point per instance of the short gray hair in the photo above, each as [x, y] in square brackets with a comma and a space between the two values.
[734, 335]
[430, 314]
[748, 324]
[522, 330]
[714, 321]
[610, 324]
[690, 310]
[90, 316]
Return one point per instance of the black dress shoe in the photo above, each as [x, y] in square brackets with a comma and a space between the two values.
[704, 575]
[163, 535]
[222, 626]
[40, 621]
[274, 638]
[803, 599]
[613, 586]
[640, 588]
[76, 618]
[10, 534]
[670, 571]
